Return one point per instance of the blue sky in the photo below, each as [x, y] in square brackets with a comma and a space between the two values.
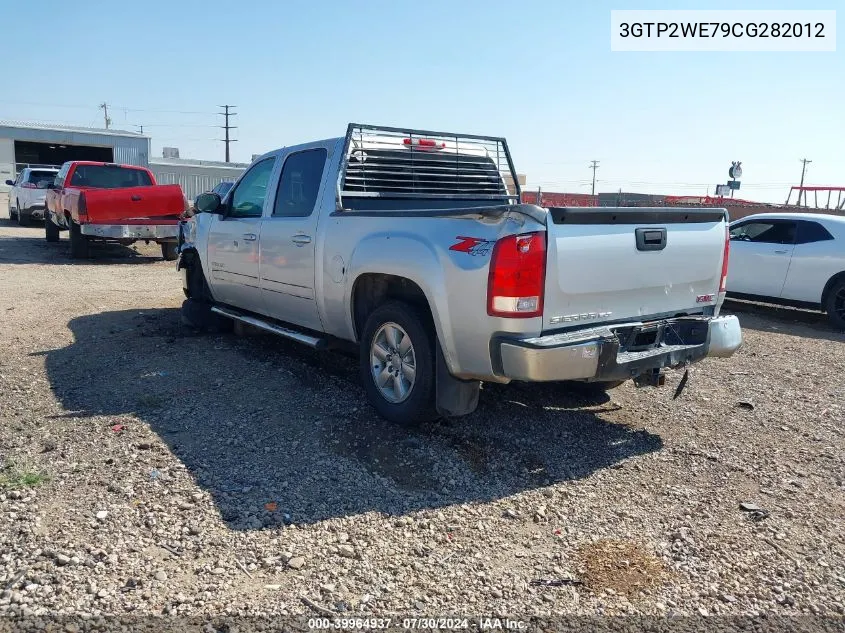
[539, 72]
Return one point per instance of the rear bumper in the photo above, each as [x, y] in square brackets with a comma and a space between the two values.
[157, 232]
[36, 211]
[601, 354]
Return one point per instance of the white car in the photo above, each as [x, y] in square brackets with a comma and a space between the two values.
[26, 199]
[793, 259]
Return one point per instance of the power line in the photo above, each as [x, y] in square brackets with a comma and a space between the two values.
[81, 106]
[226, 114]
[594, 165]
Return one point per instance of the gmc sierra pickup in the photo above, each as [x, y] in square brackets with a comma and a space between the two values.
[414, 246]
[112, 203]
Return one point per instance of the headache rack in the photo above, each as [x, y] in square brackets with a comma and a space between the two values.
[384, 162]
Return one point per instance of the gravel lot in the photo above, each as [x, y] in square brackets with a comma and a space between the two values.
[151, 470]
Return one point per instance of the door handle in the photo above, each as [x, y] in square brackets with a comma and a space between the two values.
[301, 240]
[136, 198]
[249, 237]
[781, 252]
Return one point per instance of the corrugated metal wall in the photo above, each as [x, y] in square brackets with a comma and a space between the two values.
[194, 179]
[130, 150]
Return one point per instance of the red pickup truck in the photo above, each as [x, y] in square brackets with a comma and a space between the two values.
[105, 202]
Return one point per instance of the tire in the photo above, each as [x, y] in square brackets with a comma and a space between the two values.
[196, 309]
[197, 286]
[80, 248]
[51, 231]
[169, 251]
[16, 207]
[407, 398]
[24, 217]
[834, 305]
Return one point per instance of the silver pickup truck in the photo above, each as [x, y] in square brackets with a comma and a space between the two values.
[414, 246]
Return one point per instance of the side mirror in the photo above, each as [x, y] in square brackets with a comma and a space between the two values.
[11, 183]
[208, 203]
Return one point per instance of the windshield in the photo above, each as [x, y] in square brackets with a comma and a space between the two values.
[109, 177]
[223, 188]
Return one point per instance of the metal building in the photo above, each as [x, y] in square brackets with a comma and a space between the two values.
[194, 176]
[25, 144]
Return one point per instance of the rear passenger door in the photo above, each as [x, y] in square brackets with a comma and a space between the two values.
[288, 239]
[759, 257]
[814, 261]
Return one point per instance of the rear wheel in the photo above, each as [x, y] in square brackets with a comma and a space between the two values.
[80, 248]
[24, 217]
[835, 305]
[51, 231]
[397, 363]
[169, 251]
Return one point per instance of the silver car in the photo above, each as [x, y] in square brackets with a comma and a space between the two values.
[26, 199]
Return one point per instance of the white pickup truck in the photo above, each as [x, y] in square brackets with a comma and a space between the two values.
[414, 246]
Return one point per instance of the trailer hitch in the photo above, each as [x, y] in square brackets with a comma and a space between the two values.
[651, 378]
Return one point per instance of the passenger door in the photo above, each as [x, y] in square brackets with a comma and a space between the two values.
[288, 239]
[760, 255]
[233, 240]
[814, 261]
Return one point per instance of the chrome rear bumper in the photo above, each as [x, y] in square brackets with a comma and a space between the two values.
[158, 232]
[599, 354]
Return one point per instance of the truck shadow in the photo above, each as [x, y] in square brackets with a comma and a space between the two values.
[28, 249]
[256, 420]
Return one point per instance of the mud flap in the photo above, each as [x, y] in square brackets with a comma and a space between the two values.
[455, 397]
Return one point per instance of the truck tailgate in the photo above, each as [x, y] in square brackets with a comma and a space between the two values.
[613, 264]
[135, 205]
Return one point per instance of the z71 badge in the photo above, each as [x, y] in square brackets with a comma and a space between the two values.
[472, 246]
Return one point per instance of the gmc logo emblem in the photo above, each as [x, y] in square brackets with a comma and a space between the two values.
[704, 298]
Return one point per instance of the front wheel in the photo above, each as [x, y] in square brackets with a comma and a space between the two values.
[169, 251]
[397, 364]
[835, 305]
[79, 245]
[51, 231]
[13, 211]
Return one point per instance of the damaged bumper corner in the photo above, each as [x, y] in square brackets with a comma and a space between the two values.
[618, 352]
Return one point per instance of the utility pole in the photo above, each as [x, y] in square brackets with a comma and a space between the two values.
[594, 164]
[226, 114]
[804, 162]
[105, 108]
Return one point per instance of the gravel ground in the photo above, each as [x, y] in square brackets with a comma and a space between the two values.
[151, 470]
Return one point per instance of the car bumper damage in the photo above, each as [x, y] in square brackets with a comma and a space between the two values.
[618, 352]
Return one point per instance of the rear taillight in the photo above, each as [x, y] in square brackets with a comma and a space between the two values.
[723, 285]
[29, 185]
[517, 276]
[82, 206]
